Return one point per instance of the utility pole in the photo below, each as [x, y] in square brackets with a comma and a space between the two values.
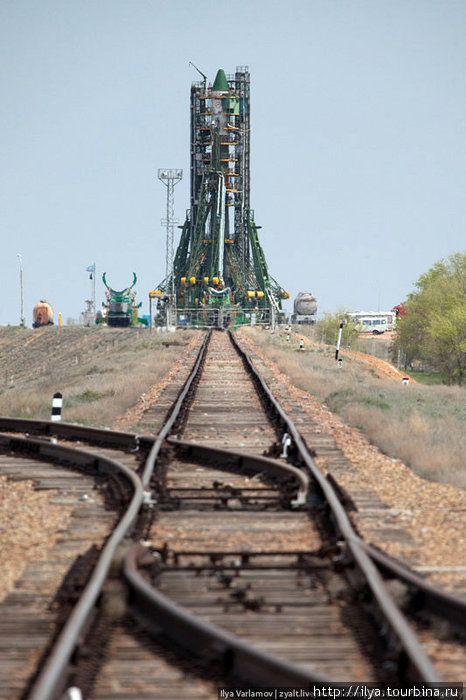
[170, 178]
[20, 257]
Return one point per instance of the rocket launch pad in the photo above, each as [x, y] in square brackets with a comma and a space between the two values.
[220, 276]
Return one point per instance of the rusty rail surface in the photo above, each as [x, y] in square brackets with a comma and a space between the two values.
[252, 665]
[422, 667]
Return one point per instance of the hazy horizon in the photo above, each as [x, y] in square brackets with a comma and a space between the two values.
[357, 141]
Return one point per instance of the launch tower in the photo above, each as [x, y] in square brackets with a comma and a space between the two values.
[220, 276]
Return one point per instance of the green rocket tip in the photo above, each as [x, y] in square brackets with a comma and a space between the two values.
[220, 82]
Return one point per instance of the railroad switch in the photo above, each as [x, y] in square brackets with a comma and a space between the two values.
[286, 442]
[136, 440]
[148, 499]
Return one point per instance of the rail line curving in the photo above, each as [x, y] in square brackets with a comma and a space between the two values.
[202, 554]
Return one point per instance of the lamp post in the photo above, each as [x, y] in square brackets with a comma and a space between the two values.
[20, 258]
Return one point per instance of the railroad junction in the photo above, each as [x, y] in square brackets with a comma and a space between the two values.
[213, 553]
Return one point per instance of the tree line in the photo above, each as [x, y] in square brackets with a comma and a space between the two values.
[432, 327]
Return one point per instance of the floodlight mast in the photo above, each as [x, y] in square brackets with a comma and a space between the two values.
[170, 178]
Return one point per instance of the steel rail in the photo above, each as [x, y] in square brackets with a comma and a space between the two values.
[437, 600]
[421, 665]
[175, 413]
[197, 635]
[72, 431]
[440, 602]
[230, 460]
[101, 436]
[47, 682]
[51, 677]
[50, 680]
[191, 631]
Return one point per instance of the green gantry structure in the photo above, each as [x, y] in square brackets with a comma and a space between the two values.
[220, 275]
[121, 308]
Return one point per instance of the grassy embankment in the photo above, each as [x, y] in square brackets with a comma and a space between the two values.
[424, 426]
[100, 371]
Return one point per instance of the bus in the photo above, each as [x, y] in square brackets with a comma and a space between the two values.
[374, 322]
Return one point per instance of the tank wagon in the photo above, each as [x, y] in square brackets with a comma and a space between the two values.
[304, 308]
[42, 314]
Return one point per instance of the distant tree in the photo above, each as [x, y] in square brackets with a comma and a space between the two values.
[434, 327]
[327, 330]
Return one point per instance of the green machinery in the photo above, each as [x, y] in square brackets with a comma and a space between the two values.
[121, 308]
[220, 275]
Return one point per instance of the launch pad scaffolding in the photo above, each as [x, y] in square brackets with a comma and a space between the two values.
[220, 276]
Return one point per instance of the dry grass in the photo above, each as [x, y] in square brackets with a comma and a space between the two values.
[99, 371]
[424, 426]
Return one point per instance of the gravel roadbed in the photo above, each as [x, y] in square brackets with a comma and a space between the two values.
[433, 514]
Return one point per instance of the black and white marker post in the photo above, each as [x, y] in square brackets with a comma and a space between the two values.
[342, 323]
[57, 403]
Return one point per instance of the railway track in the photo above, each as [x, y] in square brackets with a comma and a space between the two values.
[213, 554]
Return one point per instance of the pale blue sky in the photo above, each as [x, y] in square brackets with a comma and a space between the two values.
[358, 140]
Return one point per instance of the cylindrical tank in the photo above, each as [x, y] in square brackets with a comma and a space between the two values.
[42, 314]
[305, 304]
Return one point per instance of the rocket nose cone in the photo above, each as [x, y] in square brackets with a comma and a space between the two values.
[220, 82]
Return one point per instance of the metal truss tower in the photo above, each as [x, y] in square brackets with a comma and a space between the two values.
[219, 275]
[170, 178]
[225, 114]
